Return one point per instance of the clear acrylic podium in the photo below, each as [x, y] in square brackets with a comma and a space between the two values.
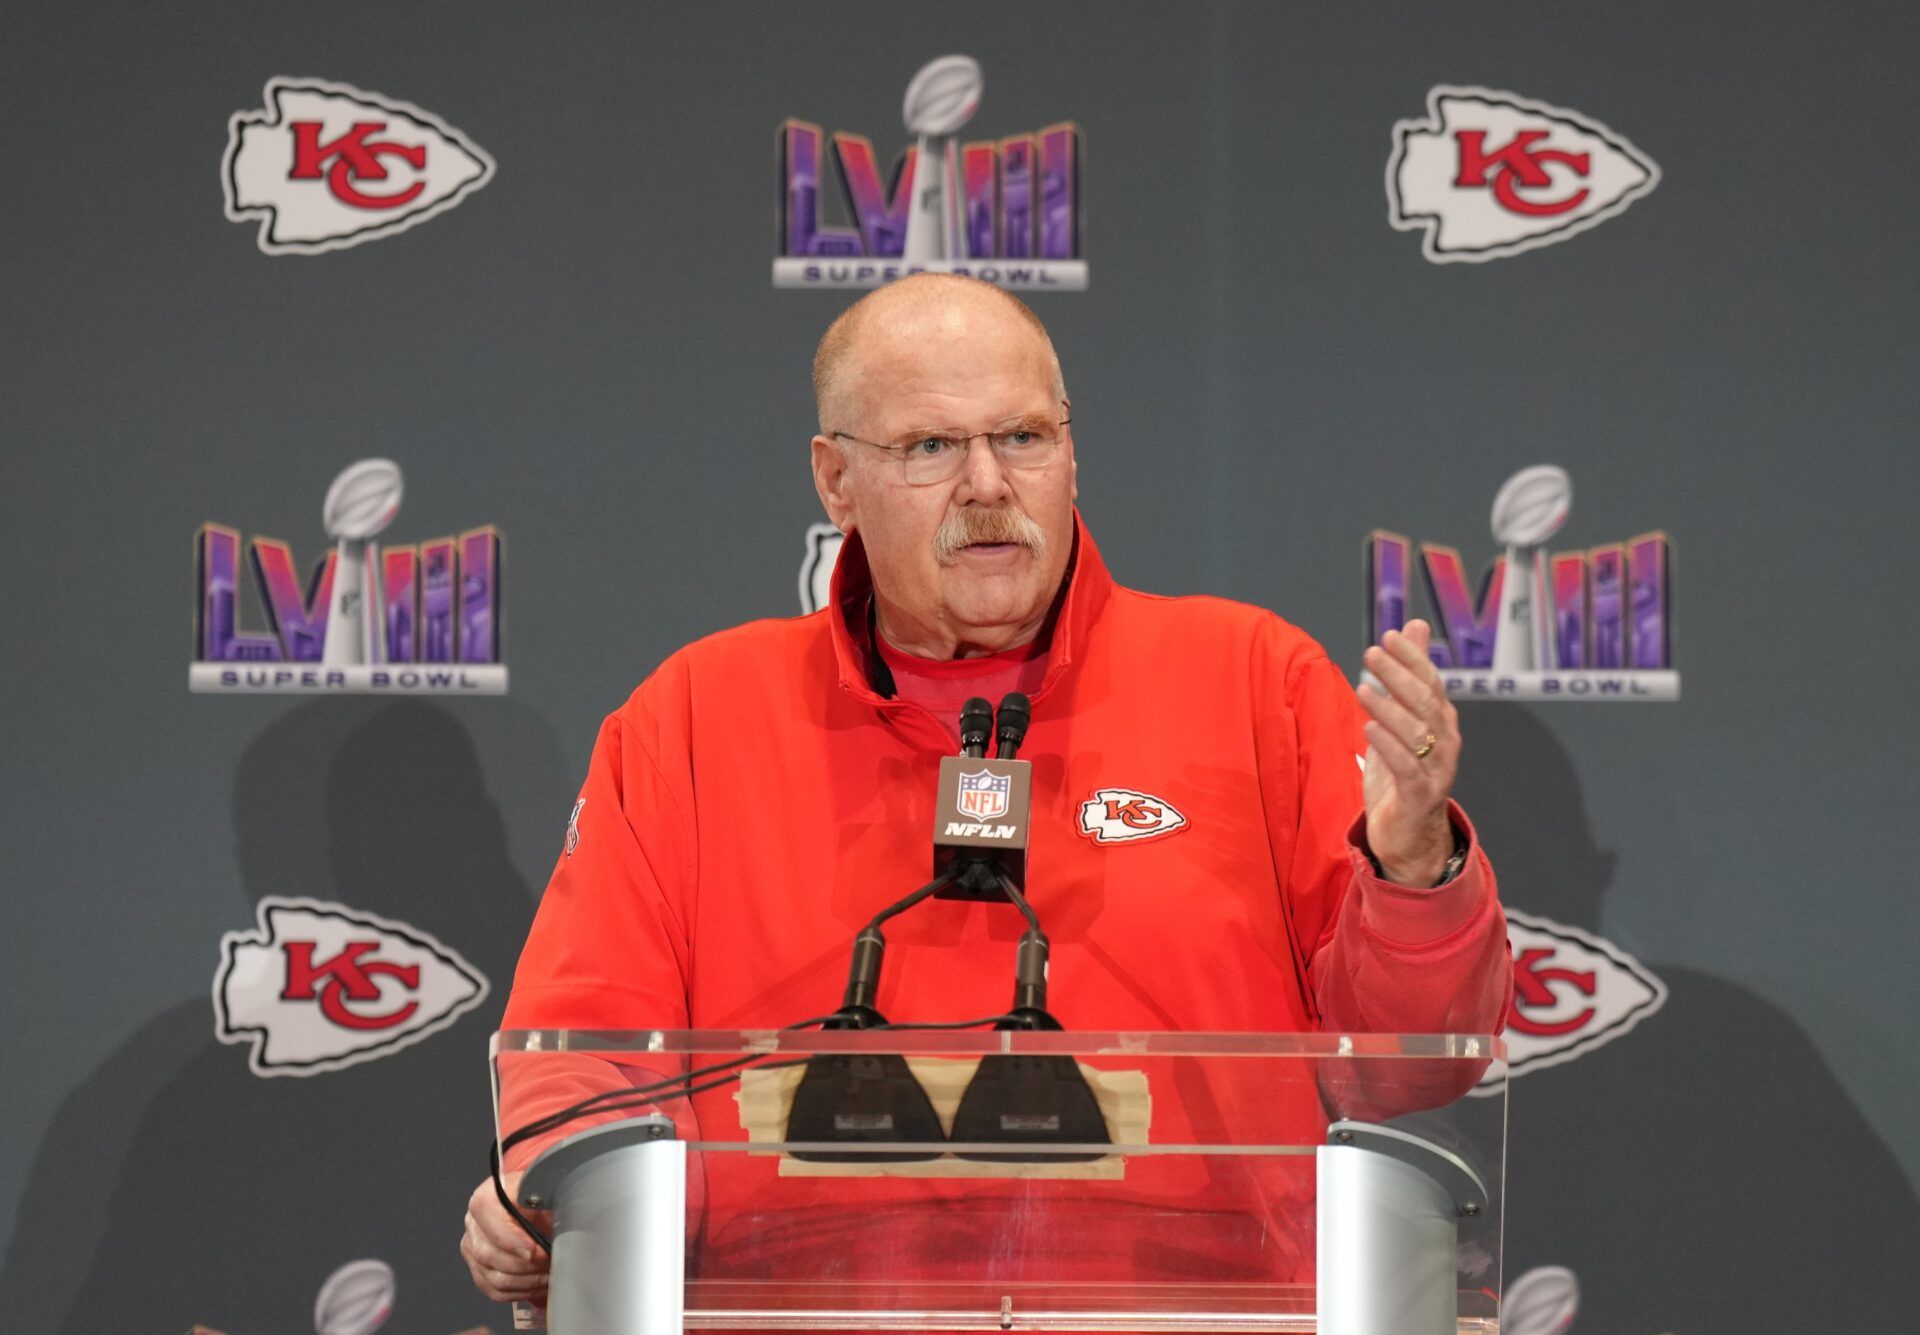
[920, 1179]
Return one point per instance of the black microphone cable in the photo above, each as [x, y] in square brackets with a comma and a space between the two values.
[614, 1100]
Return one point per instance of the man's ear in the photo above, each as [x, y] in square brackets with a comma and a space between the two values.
[830, 480]
[1073, 475]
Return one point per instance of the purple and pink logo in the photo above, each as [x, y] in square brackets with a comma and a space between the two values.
[1594, 624]
[1005, 211]
[418, 619]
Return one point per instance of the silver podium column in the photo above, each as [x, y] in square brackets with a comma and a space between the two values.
[619, 1199]
[1388, 1238]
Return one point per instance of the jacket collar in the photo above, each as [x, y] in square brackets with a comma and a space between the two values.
[849, 598]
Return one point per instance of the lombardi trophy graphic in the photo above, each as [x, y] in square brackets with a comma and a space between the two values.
[940, 100]
[360, 504]
[1530, 508]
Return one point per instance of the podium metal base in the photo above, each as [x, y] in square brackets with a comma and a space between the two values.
[1387, 1241]
[619, 1199]
[1388, 1238]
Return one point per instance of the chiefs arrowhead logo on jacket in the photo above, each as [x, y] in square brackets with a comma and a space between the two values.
[1489, 174]
[322, 986]
[1116, 815]
[325, 166]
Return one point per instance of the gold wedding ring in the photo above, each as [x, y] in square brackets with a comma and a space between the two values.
[1425, 747]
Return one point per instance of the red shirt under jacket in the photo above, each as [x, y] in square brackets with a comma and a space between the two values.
[943, 686]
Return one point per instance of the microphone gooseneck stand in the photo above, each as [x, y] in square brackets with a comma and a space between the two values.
[1027, 1101]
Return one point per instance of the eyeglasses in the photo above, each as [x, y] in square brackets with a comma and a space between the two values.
[937, 456]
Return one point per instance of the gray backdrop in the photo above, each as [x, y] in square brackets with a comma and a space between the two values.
[588, 353]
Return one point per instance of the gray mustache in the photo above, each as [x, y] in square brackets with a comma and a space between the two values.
[967, 526]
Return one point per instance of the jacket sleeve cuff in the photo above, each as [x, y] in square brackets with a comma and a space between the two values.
[1410, 916]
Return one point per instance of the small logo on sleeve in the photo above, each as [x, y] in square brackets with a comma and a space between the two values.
[573, 827]
[1116, 815]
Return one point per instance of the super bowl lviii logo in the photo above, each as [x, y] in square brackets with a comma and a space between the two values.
[324, 166]
[1594, 624]
[1006, 211]
[420, 619]
[1489, 174]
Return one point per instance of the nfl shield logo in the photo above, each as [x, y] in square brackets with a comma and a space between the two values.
[984, 795]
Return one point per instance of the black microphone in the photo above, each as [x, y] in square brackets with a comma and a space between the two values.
[976, 726]
[1030, 980]
[856, 1098]
[1015, 714]
[857, 1004]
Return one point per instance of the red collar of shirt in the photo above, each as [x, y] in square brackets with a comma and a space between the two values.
[959, 669]
[1088, 587]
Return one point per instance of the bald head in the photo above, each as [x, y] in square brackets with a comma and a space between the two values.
[924, 310]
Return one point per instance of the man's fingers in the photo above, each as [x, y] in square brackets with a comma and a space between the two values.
[1418, 634]
[514, 1256]
[1405, 684]
[500, 1232]
[514, 1285]
[1401, 668]
[489, 1220]
[1408, 648]
[505, 1288]
[505, 1292]
[1396, 756]
[499, 1285]
[1396, 716]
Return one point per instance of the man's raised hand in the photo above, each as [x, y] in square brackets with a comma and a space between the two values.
[1413, 753]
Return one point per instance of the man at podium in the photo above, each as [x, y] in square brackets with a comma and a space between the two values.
[1224, 835]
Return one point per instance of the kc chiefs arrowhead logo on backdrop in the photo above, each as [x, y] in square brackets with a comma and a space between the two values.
[321, 986]
[325, 166]
[1572, 993]
[1489, 174]
[1117, 815]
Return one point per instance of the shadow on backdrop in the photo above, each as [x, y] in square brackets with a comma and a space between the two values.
[1706, 1172]
[177, 1187]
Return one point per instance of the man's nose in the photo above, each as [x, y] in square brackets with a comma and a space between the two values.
[982, 475]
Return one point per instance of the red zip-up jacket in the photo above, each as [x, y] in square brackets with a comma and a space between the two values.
[1193, 851]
